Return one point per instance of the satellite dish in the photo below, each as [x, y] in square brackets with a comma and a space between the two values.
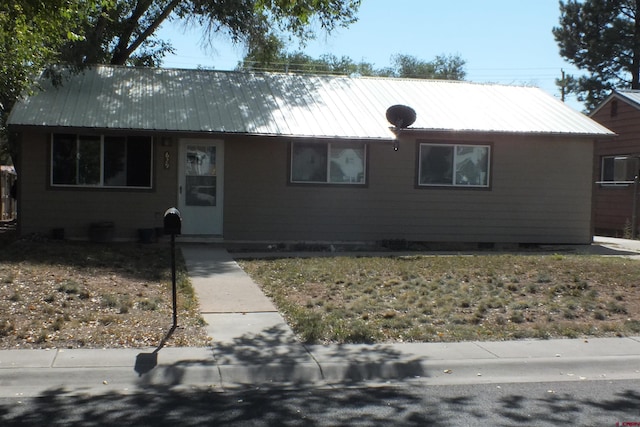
[401, 116]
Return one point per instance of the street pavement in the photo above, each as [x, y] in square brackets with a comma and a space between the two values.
[252, 346]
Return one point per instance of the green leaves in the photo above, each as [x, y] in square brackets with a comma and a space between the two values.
[602, 38]
[272, 57]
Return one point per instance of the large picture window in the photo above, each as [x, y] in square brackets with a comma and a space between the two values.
[328, 162]
[454, 165]
[618, 170]
[101, 161]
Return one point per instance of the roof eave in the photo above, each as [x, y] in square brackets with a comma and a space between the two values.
[508, 132]
[57, 128]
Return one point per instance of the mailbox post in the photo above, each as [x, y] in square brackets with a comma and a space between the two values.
[173, 226]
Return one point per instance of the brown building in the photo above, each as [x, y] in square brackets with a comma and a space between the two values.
[616, 165]
[299, 158]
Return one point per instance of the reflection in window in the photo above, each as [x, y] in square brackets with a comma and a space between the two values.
[328, 163]
[200, 176]
[454, 165]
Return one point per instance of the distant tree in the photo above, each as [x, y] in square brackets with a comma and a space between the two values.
[272, 56]
[443, 67]
[602, 38]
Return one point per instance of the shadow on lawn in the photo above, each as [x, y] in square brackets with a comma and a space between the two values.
[134, 260]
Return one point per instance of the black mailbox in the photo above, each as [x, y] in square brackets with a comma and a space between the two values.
[172, 221]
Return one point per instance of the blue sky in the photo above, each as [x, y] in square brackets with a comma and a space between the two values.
[502, 41]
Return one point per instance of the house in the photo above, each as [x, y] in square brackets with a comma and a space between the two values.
[252, 157]
[616, 165]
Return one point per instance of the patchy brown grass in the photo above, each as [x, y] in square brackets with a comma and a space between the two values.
[73, 295]
[453, 298]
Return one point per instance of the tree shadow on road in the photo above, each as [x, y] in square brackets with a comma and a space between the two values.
[397, 405]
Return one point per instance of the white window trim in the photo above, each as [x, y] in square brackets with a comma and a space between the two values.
[101, 184]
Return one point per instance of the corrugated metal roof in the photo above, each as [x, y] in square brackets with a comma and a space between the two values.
[284, 104]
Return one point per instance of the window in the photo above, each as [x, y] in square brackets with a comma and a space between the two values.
[328, 162]
[101, 161]
[454, 165]
[618, 170]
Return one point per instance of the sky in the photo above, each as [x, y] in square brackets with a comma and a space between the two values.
[502, 41]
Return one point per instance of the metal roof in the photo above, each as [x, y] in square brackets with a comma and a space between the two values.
[293, 105]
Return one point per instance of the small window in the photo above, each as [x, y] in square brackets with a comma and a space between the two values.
[618, 170]
[454, 165]
[328, 162]
[101, 161]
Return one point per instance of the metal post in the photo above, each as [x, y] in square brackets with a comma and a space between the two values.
[173, 280]
[634, 214]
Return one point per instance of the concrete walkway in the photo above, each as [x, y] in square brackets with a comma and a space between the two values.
[253, 346]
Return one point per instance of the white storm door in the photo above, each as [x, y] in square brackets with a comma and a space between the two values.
[200, 186]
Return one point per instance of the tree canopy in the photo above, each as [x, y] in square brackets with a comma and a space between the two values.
[602, 38]
[123, 32]
[32, 32]
[35, 34]
[272, 56]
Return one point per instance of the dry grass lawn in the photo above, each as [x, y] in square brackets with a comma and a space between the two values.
[74, 295]
[453, 298]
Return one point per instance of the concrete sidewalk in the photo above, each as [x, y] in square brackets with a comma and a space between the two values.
[253, 346]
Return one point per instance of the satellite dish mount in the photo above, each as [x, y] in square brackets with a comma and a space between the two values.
[401, 117]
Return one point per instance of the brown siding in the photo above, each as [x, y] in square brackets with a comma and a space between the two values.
[613, 206]
[540, 193]
[43, 208]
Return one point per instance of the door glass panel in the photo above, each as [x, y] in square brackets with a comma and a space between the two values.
[200, 176]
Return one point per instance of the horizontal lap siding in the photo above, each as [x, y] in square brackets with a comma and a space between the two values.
[541, 192]
[43, 208]
[613, 206]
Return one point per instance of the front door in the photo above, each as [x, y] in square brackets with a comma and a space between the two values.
[200, 186]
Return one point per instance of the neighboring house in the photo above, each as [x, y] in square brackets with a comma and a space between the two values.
[617, 163]
[251, 157]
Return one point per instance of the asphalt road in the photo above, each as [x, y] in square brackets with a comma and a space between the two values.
[579, 403]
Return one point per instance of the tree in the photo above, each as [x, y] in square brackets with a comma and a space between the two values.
[35, 33]
[31, 35]
[601, 37]
[443, 67]
[272, 56]
[123, 33]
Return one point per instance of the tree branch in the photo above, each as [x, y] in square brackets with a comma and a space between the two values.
[151, 28]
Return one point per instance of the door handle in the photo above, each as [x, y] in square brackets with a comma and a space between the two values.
[181, 190]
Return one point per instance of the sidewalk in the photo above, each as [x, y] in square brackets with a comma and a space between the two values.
[253, 346]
